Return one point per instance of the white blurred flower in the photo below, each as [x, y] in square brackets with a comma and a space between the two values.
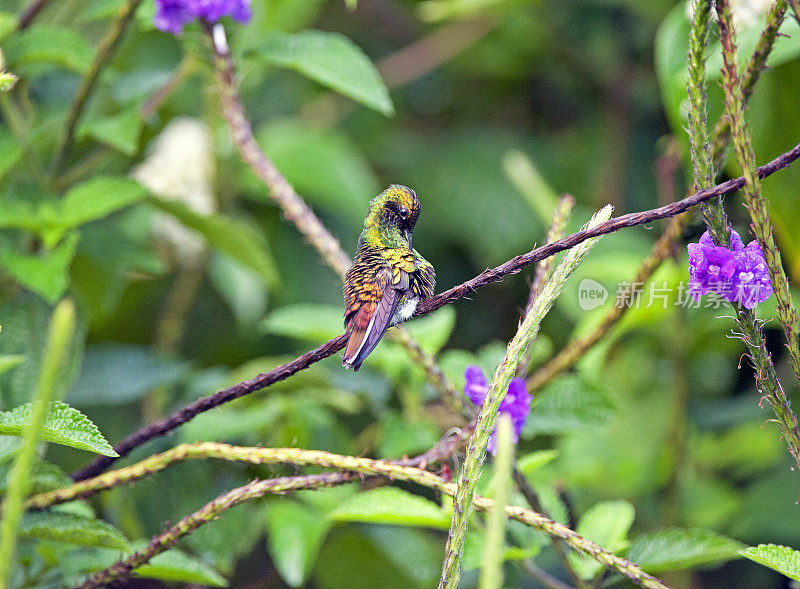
[180, 167]
[745, 12]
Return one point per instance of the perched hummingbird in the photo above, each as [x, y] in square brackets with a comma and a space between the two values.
[388, 278]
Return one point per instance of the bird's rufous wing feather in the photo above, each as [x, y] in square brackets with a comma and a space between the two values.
[368, 324]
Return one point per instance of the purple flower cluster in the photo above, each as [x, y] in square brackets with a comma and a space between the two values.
[738, 275]
[172, 15]
[516, 404]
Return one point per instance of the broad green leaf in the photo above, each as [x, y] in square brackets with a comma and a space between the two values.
[783, 559]
[438, 10]
[569, 402]
[307, 322]
[173, 566]
[295, 533]
[46, 275]
[98, 198]
[676, 549]
[63, 425]
[10, 152]
[8, 24]
[416, 553]
[330, 59]
[24, 325]
[72, 529]
[120, 131]
[9, 446]
[393, 506]
[240, 287]
[607, 524]
[323, 166]
[474, 546]
[532, 462]
[401, 437]
[42, 44]
[9, 361]
[236, 238]
[43, 476]
[99, 383]
[672, 46]
[433, 330]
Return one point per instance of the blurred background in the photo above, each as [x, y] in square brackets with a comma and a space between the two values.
[498, 107]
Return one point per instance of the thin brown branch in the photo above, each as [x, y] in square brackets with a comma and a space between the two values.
[353, 467]
[486, 277]
[209, 512]
[26, 16]
[295, 208]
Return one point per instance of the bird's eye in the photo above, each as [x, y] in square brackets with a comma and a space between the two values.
[404, 212]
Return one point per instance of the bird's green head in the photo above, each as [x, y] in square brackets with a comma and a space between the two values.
[392, 216]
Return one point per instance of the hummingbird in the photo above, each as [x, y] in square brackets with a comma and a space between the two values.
[388, 278]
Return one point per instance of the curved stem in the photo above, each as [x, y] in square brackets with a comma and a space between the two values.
[300, 457]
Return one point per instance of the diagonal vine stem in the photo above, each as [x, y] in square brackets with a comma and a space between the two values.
[486, 277]
[353, 468]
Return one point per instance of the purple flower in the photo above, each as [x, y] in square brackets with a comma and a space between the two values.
[172, 15]
[738, 275]
[751, 283]
[516, 404]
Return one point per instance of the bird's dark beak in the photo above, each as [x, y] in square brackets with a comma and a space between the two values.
[408, 237]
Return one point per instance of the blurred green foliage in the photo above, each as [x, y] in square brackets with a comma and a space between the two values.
[654, 445]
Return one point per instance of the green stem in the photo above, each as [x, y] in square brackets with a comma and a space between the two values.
[62, 326]
[544, 268]
[756, 204]
[492, 570]
[664, 246]
[105, 51]
[476, 449]
[752, 73]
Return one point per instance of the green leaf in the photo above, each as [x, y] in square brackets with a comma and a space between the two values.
[295, 533]
[41, 44]
[532, 462]
[393, 506]
[330, 59]
[98, 198]
[63, 425]
[9, 446]
[8, 24]
[676, 549]
[120, 131]
[672, 46]
[474, 547]
[568, 403]
[240, 287]
[10, 153]
[99, 381]
[783, 559]
[236, 238]
[71, 529]
[324, 166]
[9, 361]
[172, 566]
[46, 275]
[607, 524]
[311, 323]
[43, 476]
